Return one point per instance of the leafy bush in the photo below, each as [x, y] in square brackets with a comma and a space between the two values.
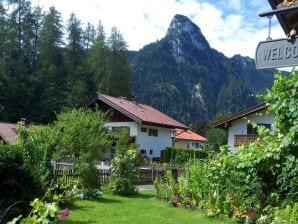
[286, 215]
[38, 144]
[45, 210]
[89, 179]
[18, 184]
[81, 134]
[125, 167]
[261, 176]
[167, 187]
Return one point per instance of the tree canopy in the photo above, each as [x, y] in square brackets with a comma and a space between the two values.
[46, 66]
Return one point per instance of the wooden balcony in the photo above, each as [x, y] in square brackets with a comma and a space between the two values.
[244, 139]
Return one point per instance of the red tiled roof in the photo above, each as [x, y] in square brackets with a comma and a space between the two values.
[189, 135]
[138, 112]
[8, 132]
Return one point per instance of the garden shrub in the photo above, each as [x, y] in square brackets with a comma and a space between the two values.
[89, 179]
[38, 146]
[81, 135]
[287, 215]
[125, 167]
[167, 187]
[18, 184]
[262, 176]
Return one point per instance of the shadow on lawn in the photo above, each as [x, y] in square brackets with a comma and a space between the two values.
[90, 207]
[77, 222]
[142, 195]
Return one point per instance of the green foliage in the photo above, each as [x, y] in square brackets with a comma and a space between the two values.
[89, 178]
[125, 167]
[261, 176]
[38, 146]
[182, 156]
[288, 215]
[81, 134]
[216, 138]
[40, 75]
[18, 183]
[45, 210]
[167, 188]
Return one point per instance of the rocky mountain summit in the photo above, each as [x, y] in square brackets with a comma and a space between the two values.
[184, 77]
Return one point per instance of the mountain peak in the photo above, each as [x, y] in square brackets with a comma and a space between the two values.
[185, 34]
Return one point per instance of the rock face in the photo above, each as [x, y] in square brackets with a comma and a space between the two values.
[183, 34]
[184, 77]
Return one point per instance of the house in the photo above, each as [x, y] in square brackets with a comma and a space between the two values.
[188, 139]
[8, 133]
[149, 128]
[240, 125]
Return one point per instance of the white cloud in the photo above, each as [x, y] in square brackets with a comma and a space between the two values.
[144, 21]
[234, 4]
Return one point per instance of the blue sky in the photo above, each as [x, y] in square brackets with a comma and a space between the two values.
[231, 26]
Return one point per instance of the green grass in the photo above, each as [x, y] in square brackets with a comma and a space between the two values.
[140, 209]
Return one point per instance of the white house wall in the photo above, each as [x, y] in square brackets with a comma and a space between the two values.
[156, 144]
[239, 127]
[143, 140]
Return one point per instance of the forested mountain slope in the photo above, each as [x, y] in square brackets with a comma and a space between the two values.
[184, 77]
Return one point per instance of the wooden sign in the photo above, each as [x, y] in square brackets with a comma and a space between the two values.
[277, 53]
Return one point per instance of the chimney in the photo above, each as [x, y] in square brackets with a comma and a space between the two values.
[23, 121]
[122, 98]
[134, 100]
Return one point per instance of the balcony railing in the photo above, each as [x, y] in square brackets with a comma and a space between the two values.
[244, 139]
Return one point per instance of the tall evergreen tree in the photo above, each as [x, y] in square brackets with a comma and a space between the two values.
[89, 36]
[52, 82]
[17, 61]
[77, 87]
[75, 43]
[96, 63]
[3, 36]
[119, 65]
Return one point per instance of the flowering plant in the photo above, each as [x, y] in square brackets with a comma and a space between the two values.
[125, 167]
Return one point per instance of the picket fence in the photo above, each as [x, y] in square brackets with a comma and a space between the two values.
[64, 173]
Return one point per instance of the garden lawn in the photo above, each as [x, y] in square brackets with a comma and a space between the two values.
[140, 209]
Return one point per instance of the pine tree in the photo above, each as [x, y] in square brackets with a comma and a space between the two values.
[51, 72]
[76, 82]
[118, 65]
[89, 36]
[96, 63]
[17, 60]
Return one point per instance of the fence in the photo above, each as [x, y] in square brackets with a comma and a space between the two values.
[64, 173]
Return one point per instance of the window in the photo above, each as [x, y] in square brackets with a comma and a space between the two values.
[153, 132]
[268, 126]
[195, 145]
[143, 151]
[143, 129]
[151, 152]
[253, 131]
[120, 128]
[187, 145]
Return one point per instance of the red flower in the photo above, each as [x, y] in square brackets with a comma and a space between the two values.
[251, 212]
[63, 214]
